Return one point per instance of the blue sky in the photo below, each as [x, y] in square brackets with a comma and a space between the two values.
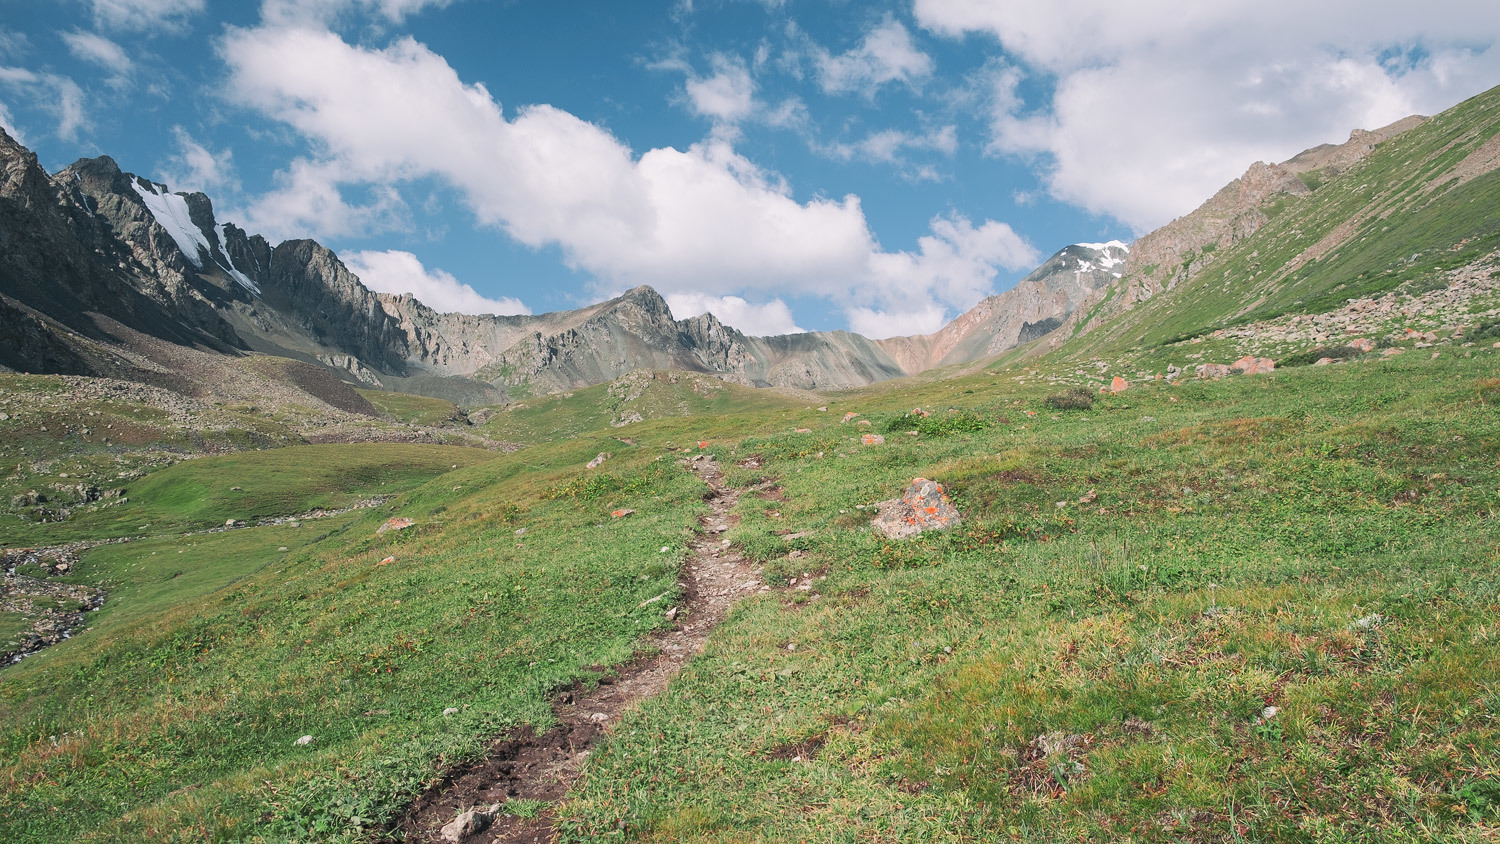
[787, 164]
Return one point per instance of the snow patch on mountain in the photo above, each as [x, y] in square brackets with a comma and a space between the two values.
[171, 213]
[228, 264]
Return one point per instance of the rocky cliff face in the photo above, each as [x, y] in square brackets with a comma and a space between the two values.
[95, 238]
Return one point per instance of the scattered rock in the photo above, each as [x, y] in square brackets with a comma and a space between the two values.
[1252, 365]
[599, 717]
[873, 439]
[304, 741]
[851, 415]
[1363, 344]
[1118, 385]
[598, 461]
[924, 506]
[1089, 497]
[622, 513]
[702, 444]
[387, 561]
[864, 423]
[672, 614]
[469, 823]
[396, 523]
[1213, 370]
[520, 531]
[452, 710]
[1325, 362]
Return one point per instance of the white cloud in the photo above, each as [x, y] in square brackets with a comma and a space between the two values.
[887, 55]
[402, 272]
[699, 220]
[891, 146]
[143, 15]
[728, 95]
[765, 320]
[311, 12]
[51, 92]
[1127, 133]
[194, 167]
[8, 123]
[96, 49]
[880, 324]
[307, 200]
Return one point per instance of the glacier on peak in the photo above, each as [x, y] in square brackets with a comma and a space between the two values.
[171, 213]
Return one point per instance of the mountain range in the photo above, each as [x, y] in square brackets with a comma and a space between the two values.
[101, 270]
[92, 249]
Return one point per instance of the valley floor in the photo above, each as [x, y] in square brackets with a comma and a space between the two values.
[1261, 608]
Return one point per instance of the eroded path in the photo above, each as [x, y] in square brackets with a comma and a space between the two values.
[543, 767]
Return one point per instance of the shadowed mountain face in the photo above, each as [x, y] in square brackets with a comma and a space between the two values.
[94, 244]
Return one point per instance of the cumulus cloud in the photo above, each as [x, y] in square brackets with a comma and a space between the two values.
[96, 49]
[308, 199]
[728, 95]
[1126, 133]
[886, 55]
[704, 219]
[402, 272]
[146, 15]
[51, 92]
[764, 320]
[194, 167]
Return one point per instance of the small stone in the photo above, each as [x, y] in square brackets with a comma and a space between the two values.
[452, 710]
[229, 523]
[598, 461]
[599, 717]
[282, 548]
[872, 439]
[1268, 713]
[520, 531]
[469, 823]
[304, 741]
[620, 514]
[672, 614]
[666, 548]
[387, 561]
[397, 523]
[851, 415]
[1118, 385]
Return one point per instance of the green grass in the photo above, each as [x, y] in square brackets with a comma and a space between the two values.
[413, 410]
[205, 492]
[1245, 530]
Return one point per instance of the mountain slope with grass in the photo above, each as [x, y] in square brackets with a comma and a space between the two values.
[1379, 222]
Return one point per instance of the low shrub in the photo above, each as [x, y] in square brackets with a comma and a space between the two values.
[1074, 399]
[1314, 355]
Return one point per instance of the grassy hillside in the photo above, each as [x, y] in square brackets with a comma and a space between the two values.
[1319, 540]
[1421, 204]
[413, 410]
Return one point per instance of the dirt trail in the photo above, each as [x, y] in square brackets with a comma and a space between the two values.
[527, 766]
